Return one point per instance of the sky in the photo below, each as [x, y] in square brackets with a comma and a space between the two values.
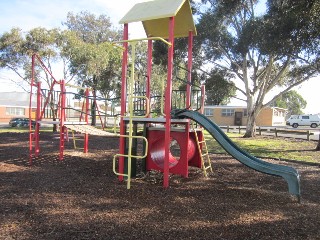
[28, 14]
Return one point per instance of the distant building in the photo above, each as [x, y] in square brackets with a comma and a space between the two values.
[238, 116]
[15, 104]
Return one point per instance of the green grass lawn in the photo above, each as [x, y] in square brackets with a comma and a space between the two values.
[271, 147]
[261, 146]
[23, 129]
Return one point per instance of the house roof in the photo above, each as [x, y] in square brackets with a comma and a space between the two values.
[223, 106]
[16, 99]
[155, 15]
[233, 107]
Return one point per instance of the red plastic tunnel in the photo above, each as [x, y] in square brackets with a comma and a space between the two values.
[157, 152]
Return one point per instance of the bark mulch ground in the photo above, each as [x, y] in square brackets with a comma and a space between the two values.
[81, 198]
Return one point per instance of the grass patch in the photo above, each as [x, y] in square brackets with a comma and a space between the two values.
[260, 146]
[23, 129]
[270, 147]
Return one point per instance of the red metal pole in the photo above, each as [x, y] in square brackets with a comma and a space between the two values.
[46, 69]
[86, 136]
[62, 117]
[190, 43]
[38, 118]
[168, 105]
[149, 70]
[189, 94]
[30, 109]
[47, 100]
[34, 57]
[123, 99]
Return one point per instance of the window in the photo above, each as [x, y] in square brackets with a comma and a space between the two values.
[305, 117]
[15, 111]
[208, 112]
[227, 112]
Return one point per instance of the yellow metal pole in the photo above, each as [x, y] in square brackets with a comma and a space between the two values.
[131, 83]
[130, 136]
[142, 39]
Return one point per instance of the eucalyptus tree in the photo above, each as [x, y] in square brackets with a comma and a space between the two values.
[219, 88]
[93, 58]
[264, 51]
[218, 84]
[292, 101]
[17, 47]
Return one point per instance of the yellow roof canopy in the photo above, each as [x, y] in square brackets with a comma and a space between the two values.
[155, 15]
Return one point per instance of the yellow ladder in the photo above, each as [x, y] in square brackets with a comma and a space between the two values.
[204, 155]
[130, 136]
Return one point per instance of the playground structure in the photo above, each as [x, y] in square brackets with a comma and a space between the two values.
[167, 19]
[52, 108]
[164, 20]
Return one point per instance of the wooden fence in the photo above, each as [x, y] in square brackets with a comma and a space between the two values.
[276, 131]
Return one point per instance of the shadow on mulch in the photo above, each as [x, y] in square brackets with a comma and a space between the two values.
[81, 198]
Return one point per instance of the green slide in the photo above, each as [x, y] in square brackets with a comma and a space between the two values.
[290, 174]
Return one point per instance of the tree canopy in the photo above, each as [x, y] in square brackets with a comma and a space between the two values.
[84, 51]
[266, 51]
[292, 101]
[17, 47]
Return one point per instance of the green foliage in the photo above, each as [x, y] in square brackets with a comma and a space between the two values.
[292, 101]
[16, 50]
[91, 28]
[93, 59]
[219, 88]
[278, 48]
[294, 26]
[11, 47]
[84, 50]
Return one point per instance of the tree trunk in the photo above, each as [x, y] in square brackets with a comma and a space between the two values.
[93, 105]
[93, 111]
[106, 111]
[54, 118]
[251, 122]
[251, 125]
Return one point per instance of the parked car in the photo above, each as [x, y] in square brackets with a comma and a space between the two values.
[21, 122]
[312, 120]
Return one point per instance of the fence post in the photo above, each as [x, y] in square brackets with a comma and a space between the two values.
[259, 130]
[275, 131]
[308, 135]
[239, 129]
[228, 129]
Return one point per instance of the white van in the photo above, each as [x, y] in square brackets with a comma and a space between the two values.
[312, 120]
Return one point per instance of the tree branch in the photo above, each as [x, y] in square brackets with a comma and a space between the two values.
[15, 70]
[288, 89]
[279, 75]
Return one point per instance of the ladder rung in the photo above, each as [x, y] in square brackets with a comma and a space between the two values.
[202, 155]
